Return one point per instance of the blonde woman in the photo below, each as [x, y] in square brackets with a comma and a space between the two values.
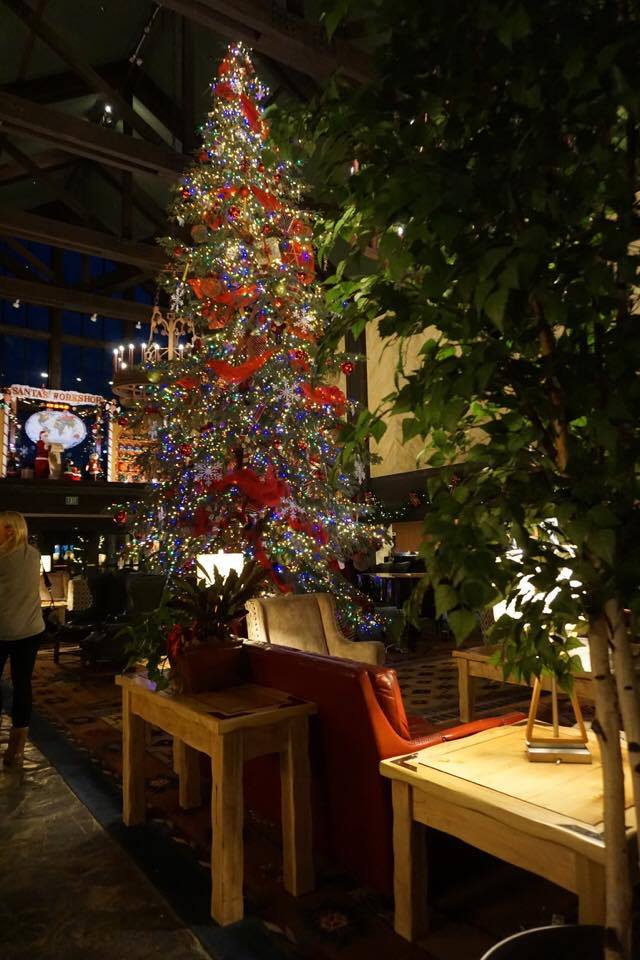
[21, 624]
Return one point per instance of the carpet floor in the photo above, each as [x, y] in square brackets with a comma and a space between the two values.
[339, 920]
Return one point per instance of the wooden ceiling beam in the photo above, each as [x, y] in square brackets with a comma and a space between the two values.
[287, 38]
[56, 42]
[30, 226]
[43, 268]
[144, 203]
[47, 160]
[67, 197]
[79, 301]
[123, 277]
[58, 87]
[25, 119]
[29, 333]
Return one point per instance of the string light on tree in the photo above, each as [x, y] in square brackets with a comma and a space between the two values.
[246, 458]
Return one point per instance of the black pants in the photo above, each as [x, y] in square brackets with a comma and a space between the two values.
[22, 654]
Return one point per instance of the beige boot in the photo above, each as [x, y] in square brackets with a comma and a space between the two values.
[14, 754]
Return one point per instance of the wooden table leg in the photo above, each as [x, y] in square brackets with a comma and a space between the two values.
[591, 891]
[227, 817]
[466, 691]
[297, 831]
[186, 763]
[133, 742]
[410, 866]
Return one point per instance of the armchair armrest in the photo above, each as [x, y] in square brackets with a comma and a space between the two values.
[464, 730]
[363, 651]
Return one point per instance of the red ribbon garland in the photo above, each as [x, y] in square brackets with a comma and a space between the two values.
[329, 396]
[240, 373]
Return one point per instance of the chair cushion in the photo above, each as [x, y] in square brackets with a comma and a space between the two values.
[388, 694]
[296, 622]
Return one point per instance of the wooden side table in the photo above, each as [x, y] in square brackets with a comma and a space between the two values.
[231, 726]
[475, 663]
[483, 790]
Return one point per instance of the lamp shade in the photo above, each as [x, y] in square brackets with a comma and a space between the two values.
[45, 559]
[224, 563]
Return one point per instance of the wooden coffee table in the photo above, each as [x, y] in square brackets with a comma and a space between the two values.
[474, 664]
[231, 726]
[483, 790]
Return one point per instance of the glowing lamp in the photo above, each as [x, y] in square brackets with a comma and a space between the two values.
[46, 562]
[224, 563]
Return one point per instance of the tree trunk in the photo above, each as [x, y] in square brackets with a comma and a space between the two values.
[607, 728]
[628, 687]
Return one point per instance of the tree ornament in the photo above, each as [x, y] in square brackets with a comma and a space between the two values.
[277, 178]
[280, 288]
[347, 368]
[261, 167]
[244, 192]
[203, 156]
[234, 212]
[185, 450]
[178, 251]
[120, 517]
[154, 376]
[186, 193]
[123, 422]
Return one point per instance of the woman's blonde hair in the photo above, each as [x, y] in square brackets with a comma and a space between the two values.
[16, 524]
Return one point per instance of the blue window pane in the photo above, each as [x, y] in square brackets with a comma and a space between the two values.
[71, 323]
[23, 360]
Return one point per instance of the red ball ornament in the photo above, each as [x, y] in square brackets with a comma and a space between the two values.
[261, 167]
[178, 251]
[185, 193]
[203, 156]
[244, 192]
[122, 421]
[120, 517]
[277, 178]
[244, 166]
[347, 367]
[302, 445]
[185, 449]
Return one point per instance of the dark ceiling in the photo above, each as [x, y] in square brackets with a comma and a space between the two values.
[99, 103]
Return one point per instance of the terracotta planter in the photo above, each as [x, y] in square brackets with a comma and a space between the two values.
[208, 667]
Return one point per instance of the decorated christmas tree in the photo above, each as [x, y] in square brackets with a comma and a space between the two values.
[247, 451]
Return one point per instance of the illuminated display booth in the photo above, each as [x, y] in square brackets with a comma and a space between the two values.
[55, 435]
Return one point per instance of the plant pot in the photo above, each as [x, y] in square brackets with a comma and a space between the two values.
[575, 941]
[208, 667]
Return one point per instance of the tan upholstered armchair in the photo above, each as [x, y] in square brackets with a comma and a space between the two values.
[307, 622]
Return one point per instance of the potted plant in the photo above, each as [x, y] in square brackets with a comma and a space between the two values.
[194, 629]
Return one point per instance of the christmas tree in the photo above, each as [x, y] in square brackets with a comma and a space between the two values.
[247, 455]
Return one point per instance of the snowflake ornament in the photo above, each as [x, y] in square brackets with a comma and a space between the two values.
[288, 394]
[208, 472]
[289, 509]
[177, 298]
[359, 471]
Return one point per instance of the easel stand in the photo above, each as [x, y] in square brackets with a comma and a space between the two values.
[549, 745]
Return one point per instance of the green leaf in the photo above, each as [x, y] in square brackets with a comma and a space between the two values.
[495, 306]
[603, 543]
[446, 598]
[463, 623]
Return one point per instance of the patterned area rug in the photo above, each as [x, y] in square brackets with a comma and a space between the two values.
[339, 920]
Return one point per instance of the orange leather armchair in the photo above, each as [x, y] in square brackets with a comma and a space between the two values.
[361, 720]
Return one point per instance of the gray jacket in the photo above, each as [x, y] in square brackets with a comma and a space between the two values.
[20, 611]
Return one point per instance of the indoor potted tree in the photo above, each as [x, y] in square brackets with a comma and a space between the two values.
[494, 162]
[194, 630]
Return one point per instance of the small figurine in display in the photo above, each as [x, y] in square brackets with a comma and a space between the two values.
[13, 464]
[71, 471]
[93, 467]
[55, 461]
[41, 465]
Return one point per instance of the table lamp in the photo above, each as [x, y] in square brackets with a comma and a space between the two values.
[224, 563]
